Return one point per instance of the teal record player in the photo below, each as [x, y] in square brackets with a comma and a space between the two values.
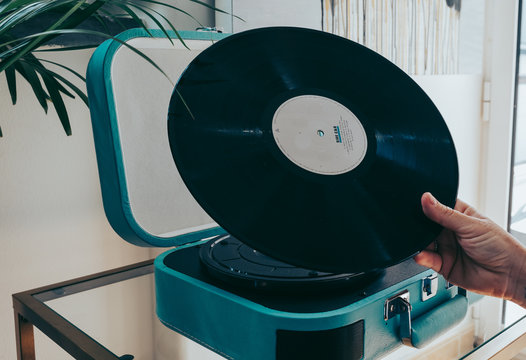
[316, 314]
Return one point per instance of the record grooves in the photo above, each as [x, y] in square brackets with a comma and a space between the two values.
[311, 149]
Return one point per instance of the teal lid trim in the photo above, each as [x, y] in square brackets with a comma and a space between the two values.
[108, 146]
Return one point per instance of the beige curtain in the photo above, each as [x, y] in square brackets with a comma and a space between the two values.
[420, 36]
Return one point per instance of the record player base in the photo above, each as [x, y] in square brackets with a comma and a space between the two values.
[339, 325]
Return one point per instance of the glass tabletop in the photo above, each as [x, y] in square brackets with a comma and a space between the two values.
[111, 315]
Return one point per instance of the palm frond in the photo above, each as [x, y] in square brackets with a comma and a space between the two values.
[19, 42]
[11, 83]
[63, 67]
[169, 24]
[103, 12]
[166, 5]
[66, 48]
[41, 70]
[30, 74]
[53, 89]
[154, 19]
[133, 15]
[85, 32]
[37, 40]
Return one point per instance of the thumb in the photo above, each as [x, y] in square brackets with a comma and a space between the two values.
[443, 215]
[429, 259]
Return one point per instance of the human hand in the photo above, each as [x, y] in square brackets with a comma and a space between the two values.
[474, 253]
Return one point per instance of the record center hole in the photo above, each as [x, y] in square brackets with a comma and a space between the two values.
[320, 133]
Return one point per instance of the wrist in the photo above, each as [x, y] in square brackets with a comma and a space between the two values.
[516, 287]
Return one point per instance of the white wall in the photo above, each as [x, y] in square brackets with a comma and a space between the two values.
[302, 13]
[254, 14]
[52, 223]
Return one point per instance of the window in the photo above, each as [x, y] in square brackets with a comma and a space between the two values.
[517, 212]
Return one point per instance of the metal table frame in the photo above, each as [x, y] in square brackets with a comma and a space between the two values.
[30, 310]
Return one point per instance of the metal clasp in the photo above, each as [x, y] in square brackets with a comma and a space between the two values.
[429, 286]
[399, 305]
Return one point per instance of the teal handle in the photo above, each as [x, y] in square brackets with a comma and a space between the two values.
[431, 325]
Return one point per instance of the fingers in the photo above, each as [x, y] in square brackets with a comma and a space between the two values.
[464, 208]
[429, 259]
[443, 215]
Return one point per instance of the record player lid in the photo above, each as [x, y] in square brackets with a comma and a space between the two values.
[144, 197]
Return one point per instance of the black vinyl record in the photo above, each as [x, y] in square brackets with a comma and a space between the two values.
[311, 149]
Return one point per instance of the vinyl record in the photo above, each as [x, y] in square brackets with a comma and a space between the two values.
[311, 149]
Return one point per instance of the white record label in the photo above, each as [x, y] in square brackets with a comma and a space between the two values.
[319, 134]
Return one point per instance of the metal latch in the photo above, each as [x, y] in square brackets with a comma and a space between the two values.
[429, 286]
[399, 305]
[209, 29]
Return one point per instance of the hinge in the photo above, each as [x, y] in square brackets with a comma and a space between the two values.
[486, 101]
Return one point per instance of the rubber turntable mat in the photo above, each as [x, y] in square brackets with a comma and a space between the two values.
[229, 260]
[187, 262]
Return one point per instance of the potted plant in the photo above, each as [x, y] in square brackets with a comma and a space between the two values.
[27, 25]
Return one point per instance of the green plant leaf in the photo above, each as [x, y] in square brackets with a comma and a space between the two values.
[76, 18]
[20, 16]
[11, 83]
[16, 55]
[102, 23]
[66, 48]
[29, 73]
[38, 39]
[89, 32]
[112, 17]
[12, 50]
[154, 19]
[14, 18]
[37, 66]
[41, 69]
[31, 59]
[64, 67]
[82, 14]
[14, 4]
[134, 17]
[58, 103]
[172, 27]
[171, 7]
[185, 104]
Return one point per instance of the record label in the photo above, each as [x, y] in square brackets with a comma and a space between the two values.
[319, 134]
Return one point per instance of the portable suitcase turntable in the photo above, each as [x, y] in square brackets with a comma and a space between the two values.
[342, 299]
